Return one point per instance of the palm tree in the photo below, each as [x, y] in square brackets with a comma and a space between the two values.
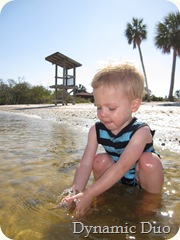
[80, 88]
[135, 33]
[168, 37]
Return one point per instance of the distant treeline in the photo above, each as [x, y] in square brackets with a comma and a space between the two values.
[23, 93]
[12, 92]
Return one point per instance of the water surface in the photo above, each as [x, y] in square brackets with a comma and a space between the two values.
[37, 162]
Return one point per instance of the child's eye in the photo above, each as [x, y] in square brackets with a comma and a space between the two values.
[112, 109]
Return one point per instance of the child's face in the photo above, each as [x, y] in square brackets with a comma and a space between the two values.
[114, 110]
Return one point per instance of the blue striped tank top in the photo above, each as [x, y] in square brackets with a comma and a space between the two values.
[115, 144]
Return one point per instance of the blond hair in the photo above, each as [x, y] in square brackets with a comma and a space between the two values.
[125, 76]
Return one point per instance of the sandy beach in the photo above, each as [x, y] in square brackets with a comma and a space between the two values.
[161, 116]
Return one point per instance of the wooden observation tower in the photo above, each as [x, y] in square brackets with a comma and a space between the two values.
[67, 80]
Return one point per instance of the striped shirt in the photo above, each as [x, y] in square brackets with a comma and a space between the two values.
[114, 145]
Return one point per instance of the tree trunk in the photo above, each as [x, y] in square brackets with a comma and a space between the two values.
[170, 97]
[142, 63]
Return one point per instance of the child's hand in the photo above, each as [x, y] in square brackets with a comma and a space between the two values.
[64, 204]
[67, 193]
[82, 202]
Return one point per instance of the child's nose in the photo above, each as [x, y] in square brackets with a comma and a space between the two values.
[103, 113]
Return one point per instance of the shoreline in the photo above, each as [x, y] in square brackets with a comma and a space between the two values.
[163, 117]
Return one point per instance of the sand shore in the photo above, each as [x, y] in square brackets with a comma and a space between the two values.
[162, 117]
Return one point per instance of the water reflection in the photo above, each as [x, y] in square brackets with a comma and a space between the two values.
[37, 161]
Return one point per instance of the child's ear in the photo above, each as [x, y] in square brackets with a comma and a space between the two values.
[136, 104]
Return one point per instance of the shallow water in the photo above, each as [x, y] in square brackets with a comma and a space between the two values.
[37, 162]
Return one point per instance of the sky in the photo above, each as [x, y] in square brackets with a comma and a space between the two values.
[89, 31]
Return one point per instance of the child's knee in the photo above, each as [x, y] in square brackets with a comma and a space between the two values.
[149, 162]
[101, 162]
[150, 172]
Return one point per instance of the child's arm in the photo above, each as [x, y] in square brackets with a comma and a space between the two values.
[84, 168]
[127, 159]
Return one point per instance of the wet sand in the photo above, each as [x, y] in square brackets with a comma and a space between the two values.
[163, 117]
